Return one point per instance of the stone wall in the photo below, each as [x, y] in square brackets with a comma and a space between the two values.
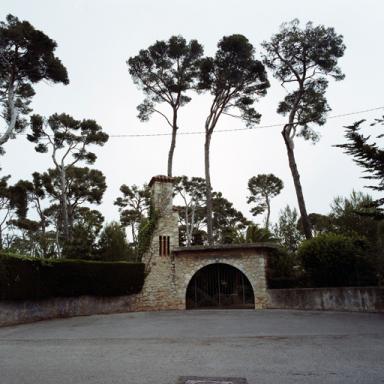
[360, 299]
[250, 261]
[159, 290]
[167, 277]
[17, 312]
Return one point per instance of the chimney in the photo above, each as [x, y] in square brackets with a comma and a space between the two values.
[162, 193]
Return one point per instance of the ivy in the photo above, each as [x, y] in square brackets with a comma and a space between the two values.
[146, 229]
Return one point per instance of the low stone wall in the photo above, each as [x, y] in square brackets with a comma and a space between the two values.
[358, 299]
[17, 312]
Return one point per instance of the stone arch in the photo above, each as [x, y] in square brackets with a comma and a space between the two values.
[228, 283]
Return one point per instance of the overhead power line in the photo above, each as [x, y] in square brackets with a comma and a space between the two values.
[240, 129]
[123, 135]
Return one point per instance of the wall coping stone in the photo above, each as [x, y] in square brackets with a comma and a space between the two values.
[356, 287]
[236, 250]
[224, 247]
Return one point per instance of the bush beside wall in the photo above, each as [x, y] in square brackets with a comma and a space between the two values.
[31, 279]
[333, 260]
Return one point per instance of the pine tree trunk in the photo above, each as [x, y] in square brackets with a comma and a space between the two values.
[64, 203]
[187, 227]
[209, 189]
[268, 212]
[192, 224]
[133, 233]
[173, 144]
[296, 181]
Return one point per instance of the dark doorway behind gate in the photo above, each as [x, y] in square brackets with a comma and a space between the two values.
[219, 286]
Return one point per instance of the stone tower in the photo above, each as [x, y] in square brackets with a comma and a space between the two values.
[159, 290]
[166, 236]
[170, 269]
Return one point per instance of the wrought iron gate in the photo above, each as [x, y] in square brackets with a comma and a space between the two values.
[219, 286]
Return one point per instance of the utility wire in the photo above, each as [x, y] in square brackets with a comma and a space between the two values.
[240, 129]
[122, 135]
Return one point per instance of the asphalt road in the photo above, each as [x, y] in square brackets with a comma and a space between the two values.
[269, 346]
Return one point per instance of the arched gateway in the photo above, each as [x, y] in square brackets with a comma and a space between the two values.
[219, 286]
[229, 276]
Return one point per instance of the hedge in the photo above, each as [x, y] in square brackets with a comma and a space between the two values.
[23, 278]
[333, 260]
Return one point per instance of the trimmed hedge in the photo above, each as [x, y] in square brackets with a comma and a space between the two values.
[23, 278]
[333, 260]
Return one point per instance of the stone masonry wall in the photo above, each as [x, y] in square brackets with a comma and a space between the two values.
[17, 312]
[166, 284]
[250, 263]
[159, 288]
[168, 276]
[360, 299]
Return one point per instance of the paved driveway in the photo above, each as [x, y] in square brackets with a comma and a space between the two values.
[270, 346]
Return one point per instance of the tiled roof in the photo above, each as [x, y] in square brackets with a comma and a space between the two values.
[161, 179]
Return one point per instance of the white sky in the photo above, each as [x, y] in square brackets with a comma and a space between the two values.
[96, 37]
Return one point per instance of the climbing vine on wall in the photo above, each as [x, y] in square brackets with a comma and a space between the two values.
[146, 230]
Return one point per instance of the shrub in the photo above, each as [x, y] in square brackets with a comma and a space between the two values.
[284, 270]
[19, 278]
[336, 260]
[113, 244]
[27, 278]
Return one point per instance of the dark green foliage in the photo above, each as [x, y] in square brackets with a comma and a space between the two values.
[13, 207]
[304, 57]
[319, 223]
[286, 231]
[366, 154]
[282, 266]
[146, 230]
[302, 60]
[86, 227]
[113, 244]
[228, 222]
[358, 216]
[13, 197]
[262, 189]
[166, 71]
[69, 133]
[255, 234]
[336, 260]
[235, 79]
[76, 278]
[284, 271]
[133, 207]
[20, 278]
[68, 140]
[30, 52]
[229, 235]
[26, 57]
[380, 252]
[354, 216]
[83, 185]
[29, 279]
[192, 213]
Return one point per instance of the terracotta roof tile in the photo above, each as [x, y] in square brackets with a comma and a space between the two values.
[161, 179]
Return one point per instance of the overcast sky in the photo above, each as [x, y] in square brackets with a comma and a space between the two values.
[96, 37]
